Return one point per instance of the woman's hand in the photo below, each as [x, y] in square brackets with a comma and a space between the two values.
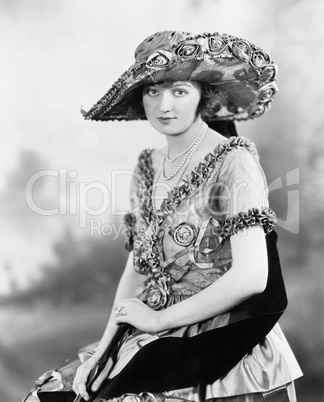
[80, 379]
[139, 315]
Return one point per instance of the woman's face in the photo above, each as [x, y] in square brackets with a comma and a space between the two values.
[171, 107]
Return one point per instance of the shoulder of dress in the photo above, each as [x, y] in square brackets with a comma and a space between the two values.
[235, 147]
[238, 143]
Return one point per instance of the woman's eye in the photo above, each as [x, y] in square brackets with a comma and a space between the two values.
[179, 92]
[151, 92]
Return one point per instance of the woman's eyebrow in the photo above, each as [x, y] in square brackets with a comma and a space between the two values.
[187, 84]
[169, 84]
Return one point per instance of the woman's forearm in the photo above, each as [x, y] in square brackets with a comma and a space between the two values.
[247, 276]
[130, 284]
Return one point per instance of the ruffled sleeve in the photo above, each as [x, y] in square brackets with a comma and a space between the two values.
[264, 217]
[239, 196]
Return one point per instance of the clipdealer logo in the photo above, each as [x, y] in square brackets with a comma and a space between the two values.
[73, 198]
[291, 223]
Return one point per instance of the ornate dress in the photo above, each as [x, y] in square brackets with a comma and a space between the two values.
[183, 248]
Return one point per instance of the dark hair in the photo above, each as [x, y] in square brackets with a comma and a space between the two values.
[211, 101]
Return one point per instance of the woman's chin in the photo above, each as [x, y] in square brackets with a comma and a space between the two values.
[166, 129]
[171, 127]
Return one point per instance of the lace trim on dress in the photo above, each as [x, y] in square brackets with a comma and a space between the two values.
[264, 217]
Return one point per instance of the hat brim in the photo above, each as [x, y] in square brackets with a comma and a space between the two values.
[244, 75]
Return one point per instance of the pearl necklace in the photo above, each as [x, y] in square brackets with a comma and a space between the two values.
[187, 156]
[183, 152]
[184, 165]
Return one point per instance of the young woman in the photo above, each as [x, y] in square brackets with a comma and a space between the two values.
[202, 289]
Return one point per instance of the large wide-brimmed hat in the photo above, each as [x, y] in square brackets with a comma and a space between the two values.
[243, 73]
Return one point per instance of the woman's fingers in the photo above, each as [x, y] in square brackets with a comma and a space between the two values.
[76, 382]
[79, 383]
[102, 376]
[120, 313]
[136, 313]
[82, 391]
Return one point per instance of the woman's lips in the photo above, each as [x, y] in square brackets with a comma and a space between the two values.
[165, 119]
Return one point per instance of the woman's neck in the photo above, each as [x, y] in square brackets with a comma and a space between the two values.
[177, 143]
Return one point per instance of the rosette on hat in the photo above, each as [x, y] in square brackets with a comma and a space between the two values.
[243, 73]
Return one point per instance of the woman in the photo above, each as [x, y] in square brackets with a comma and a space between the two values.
[202, 289]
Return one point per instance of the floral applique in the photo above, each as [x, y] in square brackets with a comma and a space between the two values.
[253, 217]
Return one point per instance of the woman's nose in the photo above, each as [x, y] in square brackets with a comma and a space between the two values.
[166, 102]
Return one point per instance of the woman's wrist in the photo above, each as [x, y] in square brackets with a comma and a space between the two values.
[162, 320]
[109, 333]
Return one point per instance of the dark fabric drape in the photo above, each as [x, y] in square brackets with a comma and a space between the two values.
[226, 128]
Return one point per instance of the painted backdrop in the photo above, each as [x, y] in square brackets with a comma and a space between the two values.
[64, 182]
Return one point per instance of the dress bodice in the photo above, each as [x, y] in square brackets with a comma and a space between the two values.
[186, 242]
[185, 247]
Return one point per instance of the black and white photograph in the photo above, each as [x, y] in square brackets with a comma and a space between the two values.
[161, 201]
